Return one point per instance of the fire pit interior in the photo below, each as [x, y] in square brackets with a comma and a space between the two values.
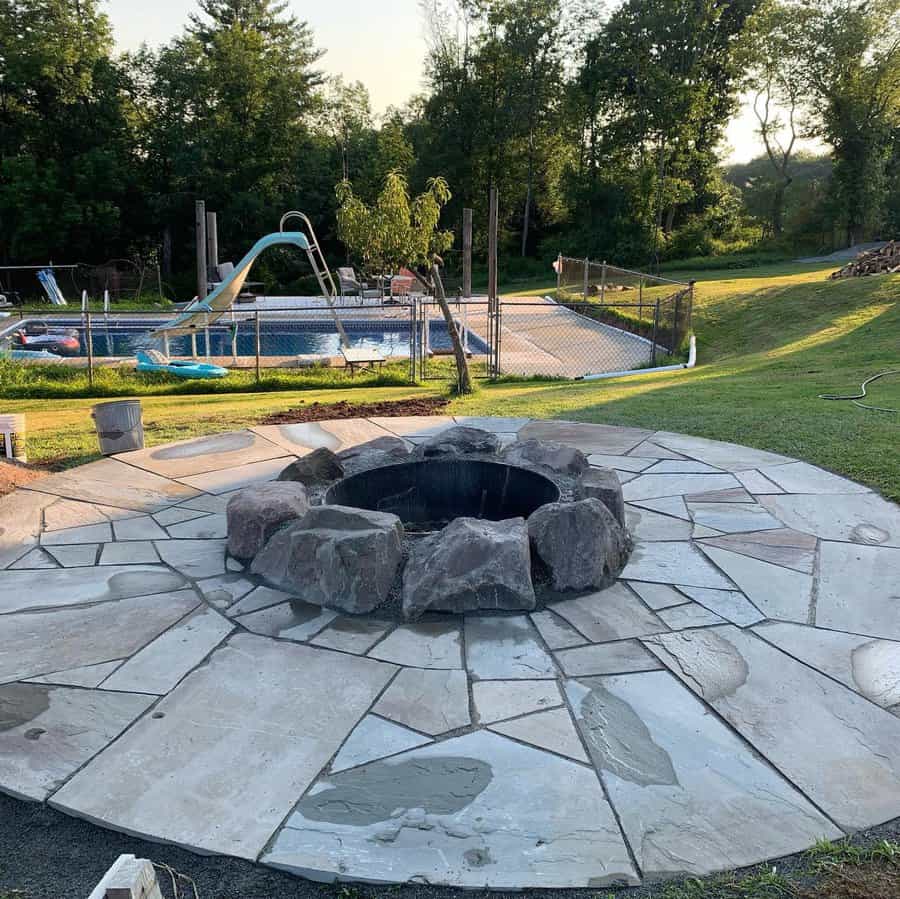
[429, 494]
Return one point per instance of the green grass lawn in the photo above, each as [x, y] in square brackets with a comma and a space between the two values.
[769, 341]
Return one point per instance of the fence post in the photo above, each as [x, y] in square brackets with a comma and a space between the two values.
[655, 333]
[559, 259]
[641, 300]
[257, 343]
[587, 274]
[412, 340]
[89, 338]
[200, 232]
[602, 282]
[467, 254]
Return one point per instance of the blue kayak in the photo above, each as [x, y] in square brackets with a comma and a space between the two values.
[153, 360]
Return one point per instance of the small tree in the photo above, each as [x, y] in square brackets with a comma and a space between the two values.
[397, 231]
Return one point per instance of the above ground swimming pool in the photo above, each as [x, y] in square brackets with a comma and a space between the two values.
[123, 336]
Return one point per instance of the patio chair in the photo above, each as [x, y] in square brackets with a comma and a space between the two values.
[351, 286]
[51, 288]
[362, 359]
[223, 271]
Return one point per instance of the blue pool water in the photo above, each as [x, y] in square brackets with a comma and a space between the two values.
[121, 337]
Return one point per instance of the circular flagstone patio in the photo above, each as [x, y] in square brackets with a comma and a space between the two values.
[734, 697]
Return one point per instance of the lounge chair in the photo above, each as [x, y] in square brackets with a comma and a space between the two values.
[351, 286]
[51, 288]
[223, 272]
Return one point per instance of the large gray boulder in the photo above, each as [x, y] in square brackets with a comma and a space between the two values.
[581, 543]
[374, 453]
[319, 467]
[557, 457]
[470, 564]
[603, 484]
[335, 556]
[255, 513]
[459, 441]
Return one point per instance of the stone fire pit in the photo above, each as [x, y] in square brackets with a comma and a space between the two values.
[455, 525]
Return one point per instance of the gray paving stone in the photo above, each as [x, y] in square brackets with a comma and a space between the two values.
[133, 552]
[552, 730]
[142, 527]
[839, 749]
[75, 556]
[351, 634]
[494, 424]
[225, 590]
[87, 533]
[586, 437]
[607, 658]
[673, 563]
[209, 527]
[87, 676]
[303, 437]
[691, 614]
[730, 604]
[777, 592]
[620, 463]
[665, 505]
[21, 513]
[505, 648]
[36, 558]
[757, 483]
[653, 486]
[193, 558]
[496, 700]
[412, 425]
[478, 810]
[557, 633]
[870, 667]
[290, 620]
[206, 502]
[37, 643]
[74, 586]
[691, 798]
[430, 701]
[49, 732]
[801, 477]
[650, 526]
[785, 547]
[176, 515]
[613, 614]
[682, 466]
[658, 596]
[699, 531]
[731, 518]
[729, 495]
[226, 480]
[859, 518]
[159, 666]
[426, 644]
[70, 513]
[730, 456]
[259, 598]
[374, 738]
[654, 452]
[166, 775]
[859, 589]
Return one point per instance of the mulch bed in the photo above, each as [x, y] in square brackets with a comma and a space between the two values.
[431, 405]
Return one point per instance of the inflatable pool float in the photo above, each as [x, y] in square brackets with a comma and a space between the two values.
[153, 360]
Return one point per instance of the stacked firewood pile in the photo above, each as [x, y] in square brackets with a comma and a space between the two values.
[872, 262]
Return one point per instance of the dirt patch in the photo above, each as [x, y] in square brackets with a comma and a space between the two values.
[14, 475]
[877, 879]
[430, 405]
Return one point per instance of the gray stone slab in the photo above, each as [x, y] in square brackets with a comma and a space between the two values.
[68, 513]
[801, 477]
[209, 527]
[857, 518]
[142, 527]
[426, 644]
[729, 495]
[478, 810]
[206, 502]
[176, 515]
[785, 547]
[691, 614]
[113, 483]
[757, 483]
[620, 463]
[730, 456]
[557, 633]
[351, 634]
[682, 466]
[496, 700]
[290, 620]
[75, 556]
[732, 605]
[430, 701]
[36, 558]
[653, 451]
[74, 586]
[588, 438]
[870, 667]
[552, 730]
[495, 425]
[691, 798]
[505, 648]
[607, 658]
[133, 552]
[89, 676]
[336, 435]
[859, 589]
[224, 590]
[37, 643]
[259, 598]
[183, 774]
[731, 518]
[21, 513]
[159, 666]
[673, 563]
[777, 592]
[49, 732]
[839, 749]
[413, 425]
[650, 526]
[699, 531]
[191, 457]
[374, 738]
[87, 533]
[613, 614]
[653, 486]
[666, 505]
[193, 558]
[658, 596]
[225, 480]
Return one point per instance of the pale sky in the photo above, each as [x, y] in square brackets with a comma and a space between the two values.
[378, 42]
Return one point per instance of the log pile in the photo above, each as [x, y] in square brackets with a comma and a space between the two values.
[872, 262]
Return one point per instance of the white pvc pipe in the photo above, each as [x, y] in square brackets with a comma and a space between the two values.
[692, 361]
[84, 301]
[106, 302]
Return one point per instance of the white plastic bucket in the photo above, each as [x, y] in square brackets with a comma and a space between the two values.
[119, 426]
[12, 437]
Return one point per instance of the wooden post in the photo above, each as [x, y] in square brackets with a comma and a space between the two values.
[212, 245]
[559, 265]
[467, 254]
[128, 878]
[587, 275]
[257, 344]
[603, 282]
[200, 232]
[89, 339]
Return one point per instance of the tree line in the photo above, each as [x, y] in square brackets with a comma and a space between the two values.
[603, 130]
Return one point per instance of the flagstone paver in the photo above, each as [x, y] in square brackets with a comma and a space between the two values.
[737, 691]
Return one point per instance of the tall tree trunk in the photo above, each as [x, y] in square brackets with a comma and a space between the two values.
[778, 207]
[463, 379]
[526, 219]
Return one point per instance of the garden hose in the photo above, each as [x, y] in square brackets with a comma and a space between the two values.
[856, 397]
